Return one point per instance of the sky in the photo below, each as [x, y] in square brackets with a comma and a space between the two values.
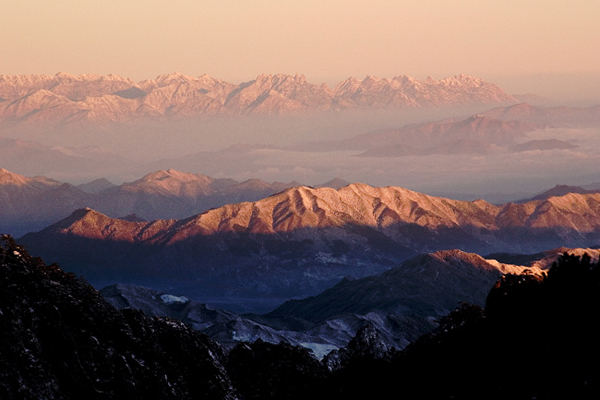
[549, 47]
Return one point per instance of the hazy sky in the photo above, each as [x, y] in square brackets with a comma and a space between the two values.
[512, 42]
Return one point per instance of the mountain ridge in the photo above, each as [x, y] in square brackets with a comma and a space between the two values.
[300, 241]
[66, 99]
[32, 203]
[306, 207]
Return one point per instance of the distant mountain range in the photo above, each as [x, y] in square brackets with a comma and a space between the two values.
[65, 99]
[30, 204]
[501, 129]
[559, 190]
[302, 240]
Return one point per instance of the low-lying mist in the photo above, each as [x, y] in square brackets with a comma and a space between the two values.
[261, 147]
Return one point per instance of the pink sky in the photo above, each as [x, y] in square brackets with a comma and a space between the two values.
[547, 46]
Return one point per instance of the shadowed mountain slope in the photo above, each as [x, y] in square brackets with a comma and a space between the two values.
[427, 286]
[60, 339]
[537, 323]
[400, 304]
[303, 240]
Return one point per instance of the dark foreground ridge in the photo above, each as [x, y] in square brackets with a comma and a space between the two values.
[59, 339]
[536, 338]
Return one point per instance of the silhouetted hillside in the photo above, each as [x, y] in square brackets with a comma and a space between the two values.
[536, 338]
[59, 339]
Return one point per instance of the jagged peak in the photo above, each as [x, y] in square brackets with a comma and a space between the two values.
[207, 79]
[261, 78]
[81, 214]
[301, 189]
[300, 78]
[455, 254]
[63, 76]
[478, 117]
[173, 175]
[360, 186]
[335, 183]
[5, 171]
[349, 83]
[371, 78]
[25, 79]
[351, 79]
[12, 178]
[8, 177]
[87, 222]
[569, 199]
[39, 93]
[174, 77]
[463, 80]
[521, 107]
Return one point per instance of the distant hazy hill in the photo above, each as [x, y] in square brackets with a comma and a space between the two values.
[96, 186]
[568, 117]
[500, 129]
[32, 203]
[426, 135]
[33, 158]
[559, 190]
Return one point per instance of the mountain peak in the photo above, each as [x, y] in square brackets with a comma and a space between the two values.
[175, 77]
[64, 75]
[172, 174]
[336, 183]
[11, 178]
[91, 224]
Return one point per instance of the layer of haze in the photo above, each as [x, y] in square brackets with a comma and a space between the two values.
[545, 47]
[548, 47]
